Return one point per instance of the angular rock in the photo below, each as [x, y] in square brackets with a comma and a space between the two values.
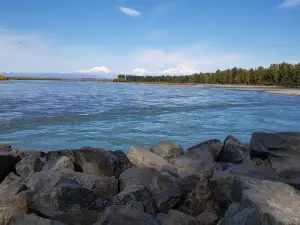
[104, 186]
[234, 151]
[199, 200]
[281, 149]
[23, 153]
[7, 164]
[69, 203]
[176, 218]
[29, 165]
[31, 219]
[207, 218]
[12, 204]
[142, 157]
[136, 197]
[164, 187]
[167, 149]
[64, 163]
[5, 148]
[213, 146]
[120, 215]
[97, 162]
[124, 161]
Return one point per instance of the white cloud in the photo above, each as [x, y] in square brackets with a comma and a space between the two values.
[290, 4]
[130, 12]
[97, 70]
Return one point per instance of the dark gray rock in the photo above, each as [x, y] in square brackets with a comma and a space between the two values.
[167, 149]
[281, 149]
[23, 153]
[62, 164]
[5, 148]
[104, 186]
[234, 151]
[7, 164]
[29, 165]
[213, 146]
[142, 157]
[120, 215]
[31, 219]
[174, 217]
[136, 197]
[207, 218]
[124, 161]
[69, 203]
[164, 187]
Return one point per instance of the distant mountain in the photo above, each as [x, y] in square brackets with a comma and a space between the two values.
[97, 70]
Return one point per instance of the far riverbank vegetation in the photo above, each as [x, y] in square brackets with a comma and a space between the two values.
[282, 74]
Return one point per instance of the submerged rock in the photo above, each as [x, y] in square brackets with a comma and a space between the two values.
[164, 187]
[167, 149]
[234, 151]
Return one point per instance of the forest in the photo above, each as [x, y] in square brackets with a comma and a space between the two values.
[283, 74]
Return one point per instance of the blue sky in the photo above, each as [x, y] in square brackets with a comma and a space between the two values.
[150, 35]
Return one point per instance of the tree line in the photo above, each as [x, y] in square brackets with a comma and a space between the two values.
[283, 74]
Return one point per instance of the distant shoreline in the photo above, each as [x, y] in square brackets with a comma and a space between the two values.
[238, 87]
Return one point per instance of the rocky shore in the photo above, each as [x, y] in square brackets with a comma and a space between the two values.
[224, 183]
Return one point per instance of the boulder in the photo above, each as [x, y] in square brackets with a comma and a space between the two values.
[5, 148]
[120, 215]
[234, 151]
[207, 218]
[124, 161]
[136, 197]
[12, 204]
[31, 219]
[29, 165]
[7, 164]
[98, 162]
[23, 153]
[69, 203]
[265, 202]
[164, 187]
[199, 200]
[63, 163]
[174, 217]
[142, 157]
[167, 149]
[213, 146]
[104, 186]
[56, 155]
[281, 149]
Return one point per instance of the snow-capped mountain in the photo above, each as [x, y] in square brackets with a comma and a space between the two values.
[101, 69]
[140, 72]
[179, 71]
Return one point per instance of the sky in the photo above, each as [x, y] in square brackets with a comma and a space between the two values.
[146, 36]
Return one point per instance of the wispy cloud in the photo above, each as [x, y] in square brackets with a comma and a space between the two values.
[290, 4]
[130, 12]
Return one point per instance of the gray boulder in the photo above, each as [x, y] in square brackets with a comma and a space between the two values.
[164, 187]
[136, 197]
[174, 217]
[31, 219]
[207, 218]
[23, 153]
[167, 149]
[104, 186]
[29, 165]
[213, 146]
[234, 151]
[62, 164]
[7, 164]
[142, 157]
[120, 215]
[124, 161]
[69, 203]
[281, 149]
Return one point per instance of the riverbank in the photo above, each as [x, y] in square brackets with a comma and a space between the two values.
[211, 183]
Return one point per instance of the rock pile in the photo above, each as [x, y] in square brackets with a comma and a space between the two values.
[229, 183]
